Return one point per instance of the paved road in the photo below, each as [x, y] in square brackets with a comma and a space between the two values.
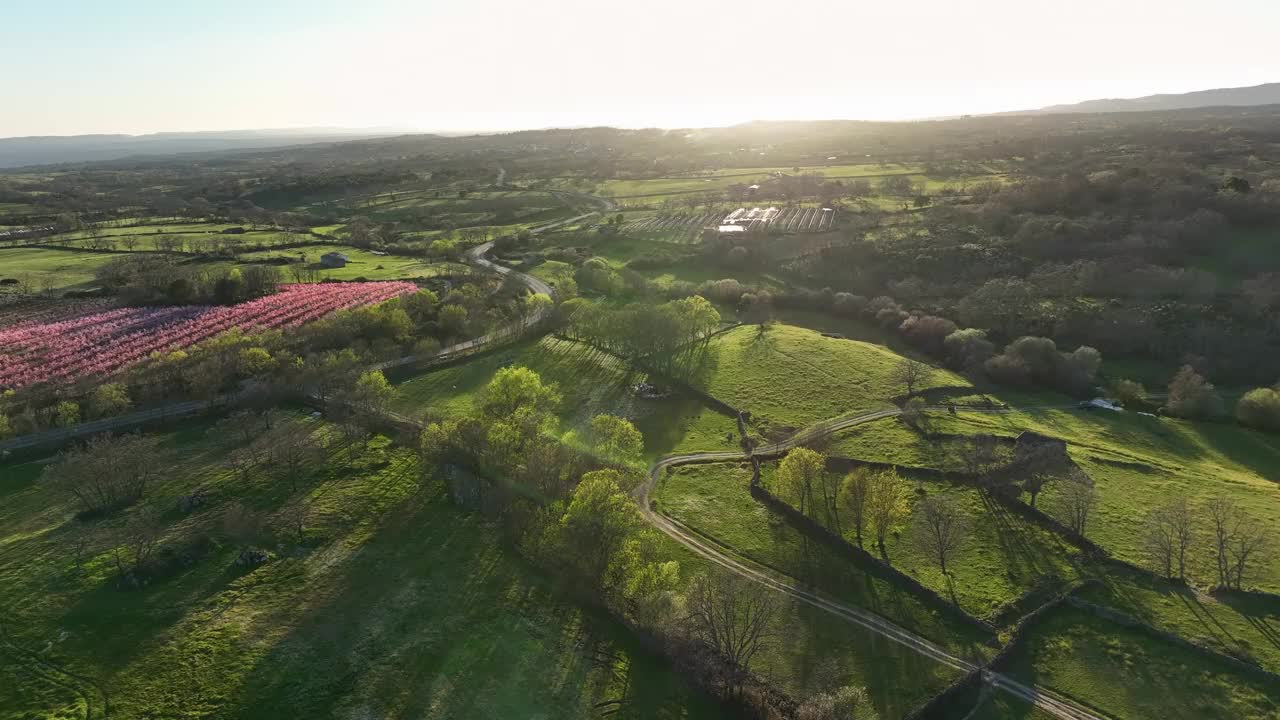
[1042, 698]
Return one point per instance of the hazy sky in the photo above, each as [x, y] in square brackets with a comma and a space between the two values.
[147, 65]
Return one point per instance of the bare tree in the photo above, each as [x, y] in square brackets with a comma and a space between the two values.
[293, 516]
[293, 449]
[1075, 501]
[136, 540]
[941, 528]
[107, 471]
[1238, 540]
[978, 454]
[911, 374]
[732, 615]
[1168, 537]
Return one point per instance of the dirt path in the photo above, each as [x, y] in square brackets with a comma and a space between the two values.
[1042, 698]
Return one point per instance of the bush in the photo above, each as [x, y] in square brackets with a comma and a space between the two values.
[1191, 396]
[1260, 408]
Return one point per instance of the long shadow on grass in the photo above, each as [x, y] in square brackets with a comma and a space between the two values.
[430, 617]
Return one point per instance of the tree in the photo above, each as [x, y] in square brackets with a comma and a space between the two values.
[888, 506]
[732, 615]
[293, 449]
[1260, 408]
[107, 471]
[855, 498]
[911, 374]
[968, 348]
[913, 413]
[798, 472]
[1128, 392]
[978, 454]
[595, 525]
[518, 389]
[941, 528]
[108, 399]
[1168, 537]
[1237, 541]
[66, 414]
[615, 438]
[135, 541]
[293, 516]
[1191, 396]
[1075, 502]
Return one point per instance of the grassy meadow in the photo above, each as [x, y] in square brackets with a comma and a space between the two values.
[397, 604]
[47, 268]
[1126, 673]
[791, 377]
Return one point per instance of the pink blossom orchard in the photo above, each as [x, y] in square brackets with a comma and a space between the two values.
[102, 343]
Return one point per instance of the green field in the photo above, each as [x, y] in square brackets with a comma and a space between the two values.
[1002, 556]
[793, 376]
[1133, 459]
[49, 268]
[1244, 626]
[360, 263]
[398, 605]
[1126, 673]
[590, 382]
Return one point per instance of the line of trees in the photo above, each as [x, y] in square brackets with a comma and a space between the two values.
[1237, 544]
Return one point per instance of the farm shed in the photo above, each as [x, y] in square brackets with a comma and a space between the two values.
[333, 260]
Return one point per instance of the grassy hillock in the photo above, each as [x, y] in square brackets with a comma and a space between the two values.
[792, 376]
[397, 605]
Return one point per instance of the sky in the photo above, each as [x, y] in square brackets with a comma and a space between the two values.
[139, 66]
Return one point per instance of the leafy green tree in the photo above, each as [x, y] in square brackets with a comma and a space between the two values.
[616, 439]
[855, 500]
[888, 504]
[66, 414]
[517, 389]
[595, 526]
[108, 399]
[798, 472]
[254, 361]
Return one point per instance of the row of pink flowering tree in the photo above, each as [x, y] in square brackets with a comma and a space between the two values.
[103, 343]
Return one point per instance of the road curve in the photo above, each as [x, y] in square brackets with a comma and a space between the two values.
[1042, 698]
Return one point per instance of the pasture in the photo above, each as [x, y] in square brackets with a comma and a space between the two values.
[396, 605]
[1002, 556]
[1127, 673]
[50, 269]
[791, 376]
[1136, 461]
[361, 263]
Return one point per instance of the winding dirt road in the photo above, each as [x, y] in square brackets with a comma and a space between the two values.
[1042, 698]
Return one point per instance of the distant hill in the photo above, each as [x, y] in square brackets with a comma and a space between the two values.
[53, 149]
[1266, 94]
